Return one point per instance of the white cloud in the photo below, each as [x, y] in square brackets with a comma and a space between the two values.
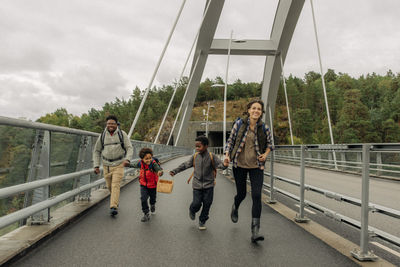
[79, 55]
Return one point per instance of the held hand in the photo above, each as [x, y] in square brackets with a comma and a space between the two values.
[262, 157]
[226, 161]
[160, 173]
[172, 173]
[97, 170]
[126, 163]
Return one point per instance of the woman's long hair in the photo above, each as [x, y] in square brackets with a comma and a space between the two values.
[246, 113]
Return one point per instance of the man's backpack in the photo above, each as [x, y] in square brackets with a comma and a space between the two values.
[212, 162]
[121, 139]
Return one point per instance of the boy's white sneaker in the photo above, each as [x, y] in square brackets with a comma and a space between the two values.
[202, 225]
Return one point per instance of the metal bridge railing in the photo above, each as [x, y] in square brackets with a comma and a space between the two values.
[44, 165]
[384, 158]
[302, 155]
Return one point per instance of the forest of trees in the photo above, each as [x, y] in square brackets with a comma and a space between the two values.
[362, 110]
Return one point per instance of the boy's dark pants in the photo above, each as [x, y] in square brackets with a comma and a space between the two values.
[145, 193]
[205, 197]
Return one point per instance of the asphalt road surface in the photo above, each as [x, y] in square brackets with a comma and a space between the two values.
[170, 238]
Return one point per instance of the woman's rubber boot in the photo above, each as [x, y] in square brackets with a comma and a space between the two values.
[234, 214]
[255, 228]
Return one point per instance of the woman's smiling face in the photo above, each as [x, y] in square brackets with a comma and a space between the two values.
[255, 111]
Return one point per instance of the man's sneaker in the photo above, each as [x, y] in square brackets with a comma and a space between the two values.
[192, 215]
[145, 218]
[153, 209]
[202, 225]
[113, 211]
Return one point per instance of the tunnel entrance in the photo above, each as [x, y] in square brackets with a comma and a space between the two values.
[214, 137]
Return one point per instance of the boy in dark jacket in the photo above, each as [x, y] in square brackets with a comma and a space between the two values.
[205, 164]
[150, 170]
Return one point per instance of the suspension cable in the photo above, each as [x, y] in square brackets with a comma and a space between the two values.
[287, 102]
[155, 71]
[180, 107]
[175, 89]
[323, 80]
[190, 79]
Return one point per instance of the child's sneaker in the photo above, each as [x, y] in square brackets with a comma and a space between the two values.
[145, 218]
[153, 209]
[202, 225]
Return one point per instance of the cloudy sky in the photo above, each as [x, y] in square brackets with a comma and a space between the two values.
[81, 54]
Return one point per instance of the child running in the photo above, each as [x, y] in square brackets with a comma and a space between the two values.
[150, 170]
[205, 164]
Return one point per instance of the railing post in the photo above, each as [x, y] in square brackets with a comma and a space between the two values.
[330, 159]
[359, 159]
[84, 162]
[343, 159]
[319, 157]
[272, 189]
[39, 169]
[379, 163]
[309, 157]
[363, 254]
[300, 217]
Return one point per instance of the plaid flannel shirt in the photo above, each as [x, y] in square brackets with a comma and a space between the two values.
[232, 140]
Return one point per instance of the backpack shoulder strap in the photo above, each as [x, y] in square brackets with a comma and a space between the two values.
[194, 157]
[214, 169]
[102, 137]
[121, 139]
[212, 161]
[264, 128]
[239, 121]
[191, 176]
[151, 166]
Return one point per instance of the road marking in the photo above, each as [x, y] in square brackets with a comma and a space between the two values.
[309, 211]
[386, 248]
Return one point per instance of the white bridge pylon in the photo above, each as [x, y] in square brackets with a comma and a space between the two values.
[286, 17]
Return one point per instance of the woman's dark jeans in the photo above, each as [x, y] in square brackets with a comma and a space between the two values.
[256, 181]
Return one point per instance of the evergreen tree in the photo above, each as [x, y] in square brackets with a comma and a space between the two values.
[354, 125]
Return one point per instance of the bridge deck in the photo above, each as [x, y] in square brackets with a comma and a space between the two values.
[170, 238]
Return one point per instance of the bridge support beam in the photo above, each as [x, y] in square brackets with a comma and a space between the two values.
[203, 45]
[286, 17]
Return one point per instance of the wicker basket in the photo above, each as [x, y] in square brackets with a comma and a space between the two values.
[165, 186]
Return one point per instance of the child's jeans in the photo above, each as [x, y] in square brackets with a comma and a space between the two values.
[205, 197]
[145, 193]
